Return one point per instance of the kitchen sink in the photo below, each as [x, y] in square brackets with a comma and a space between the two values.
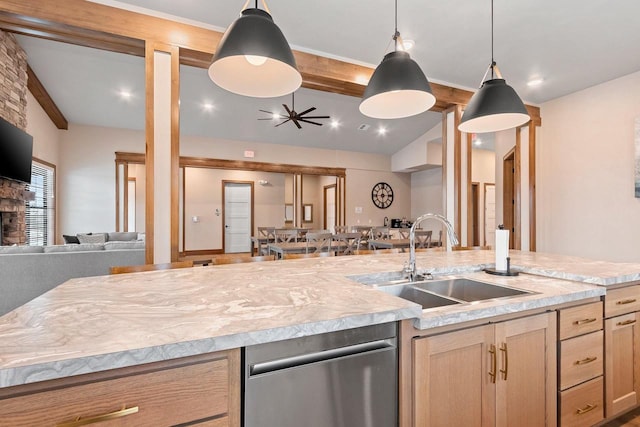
[438, 292]
[469, 290]
[418, 295]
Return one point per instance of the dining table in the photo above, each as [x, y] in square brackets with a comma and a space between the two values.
[388, 243]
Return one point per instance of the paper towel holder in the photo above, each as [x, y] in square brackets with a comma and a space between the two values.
[507, 272]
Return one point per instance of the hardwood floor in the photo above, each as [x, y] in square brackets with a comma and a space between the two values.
[632, 419]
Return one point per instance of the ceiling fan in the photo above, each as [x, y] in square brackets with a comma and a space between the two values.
[294, 116]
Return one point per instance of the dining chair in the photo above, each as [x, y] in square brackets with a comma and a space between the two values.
[423, 238]
[380, 233]
[404, 233]
[150, 267]
[268, 233]
[318, 242]
[347, 243]
[340, 229]
[286, 235]
[365, 231]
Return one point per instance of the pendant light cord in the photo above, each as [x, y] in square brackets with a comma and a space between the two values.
[395, 33]
[493, 63]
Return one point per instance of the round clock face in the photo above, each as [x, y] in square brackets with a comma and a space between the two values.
[382, 195]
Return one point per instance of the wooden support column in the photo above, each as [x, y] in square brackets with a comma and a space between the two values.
[162, 153]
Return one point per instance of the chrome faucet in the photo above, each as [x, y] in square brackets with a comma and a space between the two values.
[410, 268]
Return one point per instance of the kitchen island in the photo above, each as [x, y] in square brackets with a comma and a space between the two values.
[92, 325]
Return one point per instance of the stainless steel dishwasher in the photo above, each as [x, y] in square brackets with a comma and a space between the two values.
[338, 379]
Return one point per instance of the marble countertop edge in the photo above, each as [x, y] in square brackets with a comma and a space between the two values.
[32, 373]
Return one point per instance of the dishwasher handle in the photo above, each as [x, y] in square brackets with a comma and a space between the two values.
[319, 356]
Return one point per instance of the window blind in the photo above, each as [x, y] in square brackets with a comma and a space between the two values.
[40, 211]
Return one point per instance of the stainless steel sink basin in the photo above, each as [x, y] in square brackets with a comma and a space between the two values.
[419, 296]
[437, 293]
[468, 290]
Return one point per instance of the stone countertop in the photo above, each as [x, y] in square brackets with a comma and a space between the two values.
[99, 323]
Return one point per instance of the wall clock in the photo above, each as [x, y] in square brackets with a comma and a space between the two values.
[382, 195]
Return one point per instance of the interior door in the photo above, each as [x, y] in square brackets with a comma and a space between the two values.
[238, 216]
[330, 207]
[490, 215]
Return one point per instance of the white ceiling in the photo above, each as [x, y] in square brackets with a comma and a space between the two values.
[571, 44]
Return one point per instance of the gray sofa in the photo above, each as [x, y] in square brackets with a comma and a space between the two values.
[29, 271]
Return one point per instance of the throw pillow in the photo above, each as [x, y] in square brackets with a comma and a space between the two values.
[69, 240]
[122, 236]
[91, 238]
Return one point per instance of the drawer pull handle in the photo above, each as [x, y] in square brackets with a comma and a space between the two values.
[100, 418]
[626, 322]
[626, 301]
[585, 360]
[585, 321]
[505, 361]
[492, 372]
[586, 409]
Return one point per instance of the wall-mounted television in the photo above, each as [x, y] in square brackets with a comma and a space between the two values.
[16, 151]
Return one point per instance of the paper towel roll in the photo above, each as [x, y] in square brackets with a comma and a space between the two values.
[502, 249]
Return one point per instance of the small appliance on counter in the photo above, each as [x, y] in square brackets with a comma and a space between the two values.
[400, 223]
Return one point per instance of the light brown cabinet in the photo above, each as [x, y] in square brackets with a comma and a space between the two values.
[622, 338]
[200, 390]
[581, 365]
[501, 374]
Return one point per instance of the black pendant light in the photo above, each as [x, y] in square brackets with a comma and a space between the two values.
[254, 58]
[398, 87]
[495, 106]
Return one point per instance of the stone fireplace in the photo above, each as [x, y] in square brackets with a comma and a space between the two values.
[13, 197]
[13, 108]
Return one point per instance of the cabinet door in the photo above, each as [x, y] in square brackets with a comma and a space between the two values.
[622, 367]
[452, 384]
[526, 385]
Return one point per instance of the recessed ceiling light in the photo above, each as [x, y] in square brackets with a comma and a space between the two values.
[275, 116]
[335, 124]
[125, 94]
[208, 106]
[477, 142]
[535, 82]
[382, 130]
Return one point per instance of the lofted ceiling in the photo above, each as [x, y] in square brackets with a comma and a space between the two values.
[569, 44]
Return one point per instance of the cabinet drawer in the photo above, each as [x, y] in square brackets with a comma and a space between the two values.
[580, 320]
[170, 396]
[621, 301]
[581, 359]
[582, 405]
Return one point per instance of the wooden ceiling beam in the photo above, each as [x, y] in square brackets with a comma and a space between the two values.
[105, 27]
[47, 103]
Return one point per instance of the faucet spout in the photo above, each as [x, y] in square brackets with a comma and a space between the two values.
[411, 268]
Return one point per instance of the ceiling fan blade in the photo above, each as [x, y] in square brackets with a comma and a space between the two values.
[317, 117]
[280, 124]
[268, 112]
[287, 109]
[306, 111]
[309, 121]
[295, 120]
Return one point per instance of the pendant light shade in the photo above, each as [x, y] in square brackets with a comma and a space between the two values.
[398, 88]
[494, 107]
[254, 58]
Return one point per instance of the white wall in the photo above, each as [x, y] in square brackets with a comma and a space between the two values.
[426, 192]
[203, 196]
[86, 176]
[585, 161]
